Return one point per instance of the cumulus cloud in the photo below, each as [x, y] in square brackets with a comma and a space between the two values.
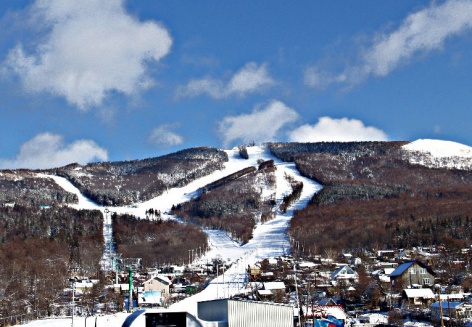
[164, 136]
[251, 78]
[341, 130]
[419, 34]
[262, 125]
[90, 49]
[47, 150]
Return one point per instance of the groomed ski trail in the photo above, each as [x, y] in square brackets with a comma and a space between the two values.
[269, 239]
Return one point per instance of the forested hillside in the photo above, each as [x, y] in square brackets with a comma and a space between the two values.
[126, 182]
[157, 242]
[24, 187]
[234, 203]
[374, 198]
[39, 248]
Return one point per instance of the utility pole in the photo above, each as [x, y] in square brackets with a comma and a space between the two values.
[73, 301]
[440, 308]
[130, 295]
[224, 285]
[116, 271]
[296, 291]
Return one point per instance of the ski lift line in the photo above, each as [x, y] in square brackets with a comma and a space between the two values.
[252, 251]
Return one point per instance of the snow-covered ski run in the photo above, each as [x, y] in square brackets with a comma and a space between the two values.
[269, 239]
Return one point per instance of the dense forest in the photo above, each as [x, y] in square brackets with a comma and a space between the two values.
[373, 198]
[156, 242]
[234, 203]
[38, 251]
[25, 188]
[126, 182]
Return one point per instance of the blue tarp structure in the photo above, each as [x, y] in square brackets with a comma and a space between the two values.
[330, 321]
[150, 297]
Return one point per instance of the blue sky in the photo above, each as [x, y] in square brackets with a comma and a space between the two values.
[92, 80]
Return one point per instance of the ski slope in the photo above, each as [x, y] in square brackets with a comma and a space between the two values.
[269, 239]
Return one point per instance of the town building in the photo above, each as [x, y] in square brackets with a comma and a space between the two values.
[412, 274]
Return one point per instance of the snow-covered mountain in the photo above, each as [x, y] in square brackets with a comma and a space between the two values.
[439, 154]
[359, 163]
[269, 238]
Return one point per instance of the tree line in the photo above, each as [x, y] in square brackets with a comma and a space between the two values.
[372, 197]
[157, 242]
[234, 203]
[35, 254]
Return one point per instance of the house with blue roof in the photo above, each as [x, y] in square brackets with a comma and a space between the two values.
[412, 274]
[447, 310]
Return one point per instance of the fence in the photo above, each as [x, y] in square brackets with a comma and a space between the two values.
[20, 319]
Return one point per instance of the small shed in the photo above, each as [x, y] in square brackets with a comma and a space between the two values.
[418, 297]
[275, 287]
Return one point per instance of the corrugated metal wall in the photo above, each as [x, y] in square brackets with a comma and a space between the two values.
[257, 314]
[246, 314]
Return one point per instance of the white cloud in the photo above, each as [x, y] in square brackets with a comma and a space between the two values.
[48, 150]
[91, 48]
[164, 136]
[341, 130]
[251, 78]
[419, 34]
[319, 79]
[258, 126]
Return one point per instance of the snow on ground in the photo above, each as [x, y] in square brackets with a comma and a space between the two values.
[438, 153]
[268, 240]
[115, 320]
[84, 202]
[439, 148]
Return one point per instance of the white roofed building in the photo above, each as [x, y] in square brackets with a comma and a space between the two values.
[418, 297]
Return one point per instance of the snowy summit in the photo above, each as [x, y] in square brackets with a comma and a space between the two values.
[440, 149]
[439, 154]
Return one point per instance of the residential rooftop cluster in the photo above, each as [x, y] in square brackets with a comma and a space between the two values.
[425, 284]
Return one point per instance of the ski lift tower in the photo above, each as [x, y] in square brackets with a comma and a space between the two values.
[109, 237]
[130, 264]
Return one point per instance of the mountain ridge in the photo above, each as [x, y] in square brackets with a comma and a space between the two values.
[126, 182]
[371, 197]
